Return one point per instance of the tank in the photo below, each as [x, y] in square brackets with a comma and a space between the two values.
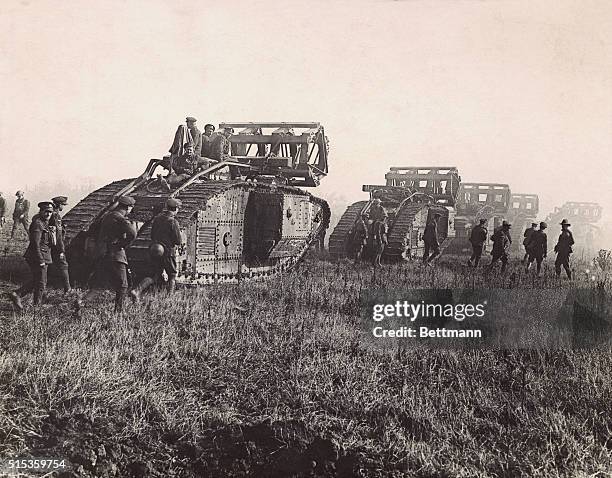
[524, 209]
[244, 218]
[477, 201]
[411, 196]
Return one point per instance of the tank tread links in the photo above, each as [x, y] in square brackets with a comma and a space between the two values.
[233, 228]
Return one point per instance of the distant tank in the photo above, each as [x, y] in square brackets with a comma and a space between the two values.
[583, 217]
[411, 196]
[245, 218]
[475, 201]
[523, 211]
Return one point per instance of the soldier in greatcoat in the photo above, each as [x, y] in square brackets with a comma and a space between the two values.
[564, 249]
[37, 255]
[478, 237]
[430, 238]
[537, 248]
[501, 246]
[58, 250]
[20, 213]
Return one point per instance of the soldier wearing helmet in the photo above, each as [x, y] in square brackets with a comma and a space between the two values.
[564, 249]
[20, 213]
[537, 248]
[165, 236]
[37, 255]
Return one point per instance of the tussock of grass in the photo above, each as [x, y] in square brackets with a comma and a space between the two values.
[273, 379]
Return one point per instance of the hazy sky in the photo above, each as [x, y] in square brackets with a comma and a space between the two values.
[507, 91]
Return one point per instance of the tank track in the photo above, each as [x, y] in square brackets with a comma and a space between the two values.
[340, 235]
[397, 239]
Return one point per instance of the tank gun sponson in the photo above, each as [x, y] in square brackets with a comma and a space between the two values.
[243, 218]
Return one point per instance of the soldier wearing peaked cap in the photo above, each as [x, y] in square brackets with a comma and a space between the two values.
[37, 255]
[196, 135]
[564, 249]
[165, 236]
[115, 234]
[537, 248]
[20, 213]
[58, 251]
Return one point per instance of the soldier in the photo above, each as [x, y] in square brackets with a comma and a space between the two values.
[220, 146]
[196, 135]
[58, 252]
[2, 210]
[20, 213]
[186, 165]
[165, 232]
[37, 255]
[527, 238]
[537, 248]
[207, 138]
[564, 249]
[478, 238]
[430, 238]
[501, 246]
[116, 233]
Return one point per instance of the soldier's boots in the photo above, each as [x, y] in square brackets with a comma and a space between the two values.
[144, 283]
[171, 285]
[16, 300]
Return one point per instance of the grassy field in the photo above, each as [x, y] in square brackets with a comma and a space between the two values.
[275, 380]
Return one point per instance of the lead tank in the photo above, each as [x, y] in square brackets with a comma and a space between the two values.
[244, 218]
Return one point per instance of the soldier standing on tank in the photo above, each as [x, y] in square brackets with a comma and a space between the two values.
[37, 255]
[116, 233]
[501, 246]
[165, 232]
[58, 251]
[20, 213]
[207, 138]
[564, 249]
[2, 210]
[537, 248]
[478, 237]
[527, 238]
[196, 135]
[220, 146]
[430, 238]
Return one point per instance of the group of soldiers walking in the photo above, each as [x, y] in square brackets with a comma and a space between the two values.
[535, 242]
[20, 212]
[116, 233]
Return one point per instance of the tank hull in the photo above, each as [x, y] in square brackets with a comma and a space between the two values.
[233, 230]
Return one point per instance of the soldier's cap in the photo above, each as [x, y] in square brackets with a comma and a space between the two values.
[173, 203]
[45, 206]
[19, 193]
[211, 125]
[565, 222]
[543, 225]
[228, 130]
[190, 119]
[126, 201]
[60, 200]
[377, 201]
[483, 221]
[188, 145]
[506, 224]
[534, 224]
